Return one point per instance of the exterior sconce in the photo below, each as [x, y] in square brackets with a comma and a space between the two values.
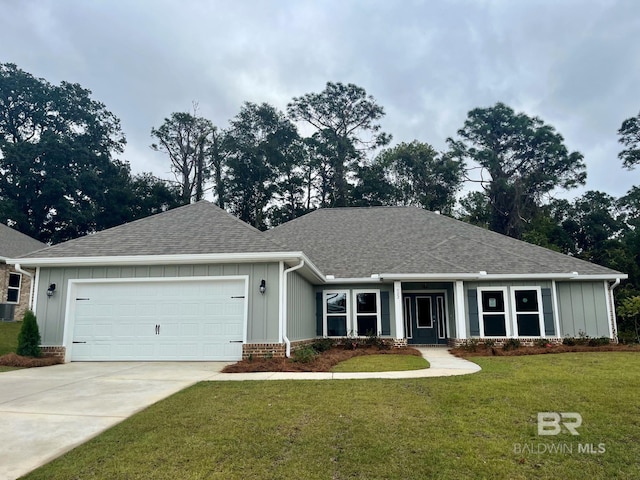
[263, 287]
[51, 289]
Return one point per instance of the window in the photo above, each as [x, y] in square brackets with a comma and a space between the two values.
[493, 313]
[339, 321]
[13, 290]
[424, 312]
[336, 313]
[527, 312]
[408, 321]
[367, 312]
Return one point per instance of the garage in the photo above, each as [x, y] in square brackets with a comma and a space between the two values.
[190, 319]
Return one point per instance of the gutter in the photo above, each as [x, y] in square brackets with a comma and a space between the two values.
[283, 309]
[614, 323]
[31, 283]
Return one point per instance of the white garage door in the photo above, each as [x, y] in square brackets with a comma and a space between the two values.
[153, 320]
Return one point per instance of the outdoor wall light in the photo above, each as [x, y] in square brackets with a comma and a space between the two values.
[263, 287]
[51, 289]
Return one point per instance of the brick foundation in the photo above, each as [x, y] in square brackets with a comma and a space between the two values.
[499, 342]
[55, 351]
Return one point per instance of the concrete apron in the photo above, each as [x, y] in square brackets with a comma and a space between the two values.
[47, 411]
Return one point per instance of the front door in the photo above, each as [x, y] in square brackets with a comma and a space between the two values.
[425, 318]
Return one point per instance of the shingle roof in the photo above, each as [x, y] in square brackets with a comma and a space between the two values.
[359, 242]
[14, 243]
[199, 228]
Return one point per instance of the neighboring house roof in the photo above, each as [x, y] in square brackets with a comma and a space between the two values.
[14, 244]
[360, 242]
[199, 228]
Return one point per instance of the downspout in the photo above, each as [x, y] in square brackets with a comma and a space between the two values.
[614, 324]
[285, 302]
[31, 283]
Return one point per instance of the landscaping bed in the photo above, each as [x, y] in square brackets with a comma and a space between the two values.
[15, 360]
[511, 349]
[308, 362]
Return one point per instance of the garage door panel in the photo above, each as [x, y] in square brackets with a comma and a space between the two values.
[197, 320]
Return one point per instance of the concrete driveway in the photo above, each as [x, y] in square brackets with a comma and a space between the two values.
[46, 411]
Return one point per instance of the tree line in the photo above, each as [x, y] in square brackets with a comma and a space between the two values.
[60, 177]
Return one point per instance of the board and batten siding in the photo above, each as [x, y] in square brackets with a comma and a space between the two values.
[301, 308]
[582, 307]
[263, 319]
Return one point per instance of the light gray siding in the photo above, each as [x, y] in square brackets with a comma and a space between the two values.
[582, 307]
[301, 308]
[263, 309]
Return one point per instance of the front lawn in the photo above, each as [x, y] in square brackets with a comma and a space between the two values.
[381, 363]
[9, 336]
[473, 426]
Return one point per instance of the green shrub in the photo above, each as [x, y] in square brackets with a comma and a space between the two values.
[323, 344]
[596, 342]
[304, 354]
[29, 337]
[541, 342]
[470, 345]
[569, 341]
[489, 343]
[511, 344]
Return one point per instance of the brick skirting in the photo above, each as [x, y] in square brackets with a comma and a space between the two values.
[55, 351]
[499, 342]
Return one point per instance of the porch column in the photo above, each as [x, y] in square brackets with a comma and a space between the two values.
[397, 297]
[461, 314]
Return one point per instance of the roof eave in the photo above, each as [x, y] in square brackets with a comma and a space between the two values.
[501, 276]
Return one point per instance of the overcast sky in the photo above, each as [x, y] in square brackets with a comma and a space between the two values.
[575, 64]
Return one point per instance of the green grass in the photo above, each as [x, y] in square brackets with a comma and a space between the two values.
[9, 340]
[381, 363]
[9, 336]
[446, 428]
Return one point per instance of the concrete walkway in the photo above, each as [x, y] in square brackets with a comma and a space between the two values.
[443, 364]
[47, 411]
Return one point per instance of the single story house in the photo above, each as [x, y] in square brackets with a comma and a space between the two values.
[15, 284]
[196, 283]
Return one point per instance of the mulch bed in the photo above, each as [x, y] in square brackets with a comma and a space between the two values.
[15, 360]
[324, 362]
[482, 351]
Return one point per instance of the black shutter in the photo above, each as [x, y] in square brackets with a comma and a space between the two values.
[547, 311]
[474, 318]
[385, 317]
[319, 315]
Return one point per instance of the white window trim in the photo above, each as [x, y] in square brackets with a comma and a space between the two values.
[507, 320]
[18, 288]
[325, 314]
[354, 320]
[540, 312]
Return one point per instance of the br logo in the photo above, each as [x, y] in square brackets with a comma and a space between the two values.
[551, 423]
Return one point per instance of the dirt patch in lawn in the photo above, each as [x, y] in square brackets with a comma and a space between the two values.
[15, 360]
[484, 351]
[323, 362]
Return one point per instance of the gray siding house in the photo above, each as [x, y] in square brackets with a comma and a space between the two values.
[196, 283]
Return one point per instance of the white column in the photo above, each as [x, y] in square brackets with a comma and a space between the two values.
[399, 312]
[461, 313]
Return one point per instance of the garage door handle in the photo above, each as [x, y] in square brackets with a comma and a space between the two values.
[157, 329]
[235, 341]
[78, 342]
